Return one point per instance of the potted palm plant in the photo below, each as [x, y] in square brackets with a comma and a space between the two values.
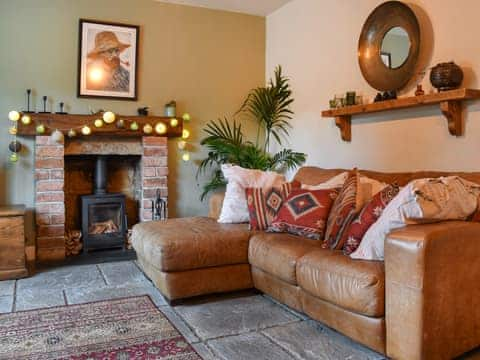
[270, 107]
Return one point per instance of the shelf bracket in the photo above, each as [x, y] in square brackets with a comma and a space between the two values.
[452, 110]
[344, 123]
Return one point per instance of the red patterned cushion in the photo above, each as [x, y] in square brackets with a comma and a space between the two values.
[367, 217]
[343, 211]
[264, 204]
[305, 213]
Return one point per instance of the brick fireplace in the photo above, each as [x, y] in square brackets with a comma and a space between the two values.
[57, 164]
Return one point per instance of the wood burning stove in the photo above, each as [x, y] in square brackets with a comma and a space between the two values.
[104, 220]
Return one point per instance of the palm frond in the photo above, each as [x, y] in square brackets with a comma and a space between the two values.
[216, 182]
[270, 106]
[287, 159]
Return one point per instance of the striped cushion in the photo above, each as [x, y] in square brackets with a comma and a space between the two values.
[343, 212]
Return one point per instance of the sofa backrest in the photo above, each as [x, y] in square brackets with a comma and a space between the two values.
[313, 175]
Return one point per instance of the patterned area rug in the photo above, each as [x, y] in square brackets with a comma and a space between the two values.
[122, 329]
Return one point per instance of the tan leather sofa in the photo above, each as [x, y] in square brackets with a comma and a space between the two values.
[423, 302]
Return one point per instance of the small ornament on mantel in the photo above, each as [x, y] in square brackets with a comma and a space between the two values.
[29, 93]
[61, 112]
[44, 99]
[419, 91]
[143, 111]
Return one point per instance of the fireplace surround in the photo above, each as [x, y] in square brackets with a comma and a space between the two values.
[51, 159]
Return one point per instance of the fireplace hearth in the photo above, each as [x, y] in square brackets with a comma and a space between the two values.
[65, 172]
[104, 219]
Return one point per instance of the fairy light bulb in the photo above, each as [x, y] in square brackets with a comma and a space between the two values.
[186, 117]
[86, 130]
[186, 156]
[40, 129]
[148, 129]
[182, 145]
[134, 126]
[98, 123]
[109, 117]
[14, 115]
[160, 128]
[173, 122]
[71, 133]
[26, 120]
[185, 134]
[57, 136]
[12, 130]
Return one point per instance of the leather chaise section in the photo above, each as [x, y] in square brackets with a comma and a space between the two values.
[191, 243]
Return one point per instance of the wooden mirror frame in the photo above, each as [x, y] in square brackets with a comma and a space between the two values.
[385, 17]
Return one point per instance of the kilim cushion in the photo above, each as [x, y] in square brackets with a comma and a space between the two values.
[343, 211]
[367, 217]
[305, 213]
[264, 204]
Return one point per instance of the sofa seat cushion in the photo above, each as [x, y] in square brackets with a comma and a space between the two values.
[355, 285]
[191, 243]
[278, 254]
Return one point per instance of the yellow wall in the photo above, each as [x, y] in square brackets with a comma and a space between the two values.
[207, 60]
[316, 42]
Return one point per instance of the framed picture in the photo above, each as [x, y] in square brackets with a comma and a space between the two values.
[107, 60]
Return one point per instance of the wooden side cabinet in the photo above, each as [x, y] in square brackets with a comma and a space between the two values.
[12, 242]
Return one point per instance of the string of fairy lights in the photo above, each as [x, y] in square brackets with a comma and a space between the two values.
[107, 118]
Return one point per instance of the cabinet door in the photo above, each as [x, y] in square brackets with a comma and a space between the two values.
[12, 243]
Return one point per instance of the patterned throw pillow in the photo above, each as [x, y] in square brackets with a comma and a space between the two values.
[343, 212]
[264, 204]
[305, 213]
[367, 217]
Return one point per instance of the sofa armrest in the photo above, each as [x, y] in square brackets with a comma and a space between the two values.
[432, 294]
[215, 205]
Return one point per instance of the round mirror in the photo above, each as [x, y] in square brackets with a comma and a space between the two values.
[389, 45]
[395, 47]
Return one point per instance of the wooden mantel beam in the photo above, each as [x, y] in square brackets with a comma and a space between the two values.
[65, 122]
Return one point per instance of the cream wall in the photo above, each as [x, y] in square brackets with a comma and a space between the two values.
[316, 42]
[207, 60]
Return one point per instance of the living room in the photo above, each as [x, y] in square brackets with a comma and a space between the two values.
[118, 240]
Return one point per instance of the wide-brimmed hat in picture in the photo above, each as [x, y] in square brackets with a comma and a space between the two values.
[104, 41]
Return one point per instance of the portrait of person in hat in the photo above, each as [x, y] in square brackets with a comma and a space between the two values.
[105, 69]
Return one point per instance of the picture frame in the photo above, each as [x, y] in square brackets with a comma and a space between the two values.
[107, 60]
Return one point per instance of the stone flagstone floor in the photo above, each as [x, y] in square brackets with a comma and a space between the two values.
[239, 326]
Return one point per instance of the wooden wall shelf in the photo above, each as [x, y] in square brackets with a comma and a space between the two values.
[450, 103]
[65, 122]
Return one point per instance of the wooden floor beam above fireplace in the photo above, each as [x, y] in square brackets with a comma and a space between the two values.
[65, 122]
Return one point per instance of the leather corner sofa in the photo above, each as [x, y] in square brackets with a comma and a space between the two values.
[422, 302]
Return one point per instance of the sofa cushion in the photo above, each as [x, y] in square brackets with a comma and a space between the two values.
[305, 213]
[343, 211]
[278, 254]
[191, 243]
[367, 217]
[265, 203]
[357, 286]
